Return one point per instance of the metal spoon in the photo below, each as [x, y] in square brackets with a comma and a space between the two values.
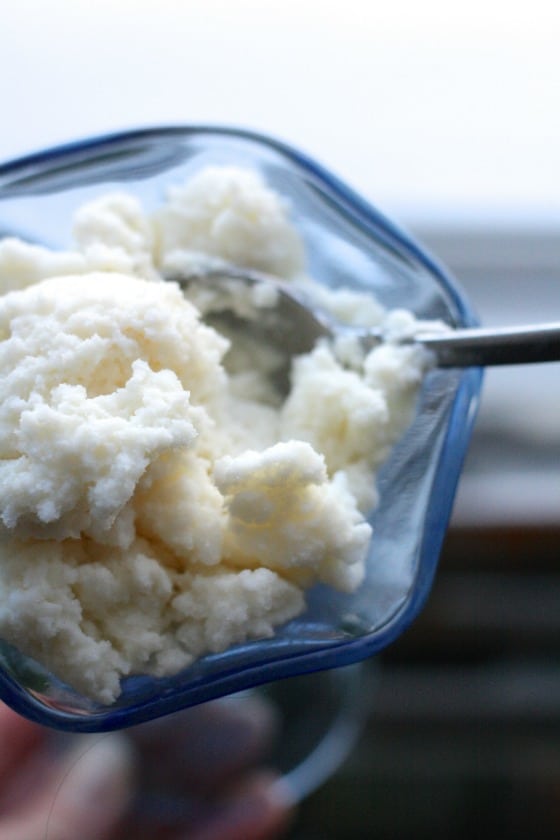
[291, 325]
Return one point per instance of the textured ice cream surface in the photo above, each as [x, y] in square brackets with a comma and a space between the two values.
[93, 614]
[229, 214]
[158, 501]
[93, 389]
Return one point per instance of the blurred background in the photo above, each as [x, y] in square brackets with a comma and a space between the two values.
[447, 118]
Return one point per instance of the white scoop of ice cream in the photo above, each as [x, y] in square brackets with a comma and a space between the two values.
[130, 540]
[97, 373]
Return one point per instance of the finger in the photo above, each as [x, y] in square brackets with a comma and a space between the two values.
[86, 799]
[204, 747]
[18, 738]
[259, 809]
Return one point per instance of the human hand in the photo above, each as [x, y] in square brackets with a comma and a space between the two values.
[192, 775]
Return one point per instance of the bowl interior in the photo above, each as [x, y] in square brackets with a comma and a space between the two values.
[348, 244]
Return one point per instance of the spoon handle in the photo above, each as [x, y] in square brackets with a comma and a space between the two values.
[495, 346]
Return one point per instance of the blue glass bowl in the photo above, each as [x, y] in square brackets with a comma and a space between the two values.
[348, 243]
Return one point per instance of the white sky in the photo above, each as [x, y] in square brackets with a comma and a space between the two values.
[427, 107]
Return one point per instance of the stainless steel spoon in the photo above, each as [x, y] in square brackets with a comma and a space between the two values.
[291, 325]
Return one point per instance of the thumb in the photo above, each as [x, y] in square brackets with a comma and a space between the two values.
[95, 792]
[87, 798]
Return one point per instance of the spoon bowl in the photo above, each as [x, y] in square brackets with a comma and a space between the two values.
[281, 315]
